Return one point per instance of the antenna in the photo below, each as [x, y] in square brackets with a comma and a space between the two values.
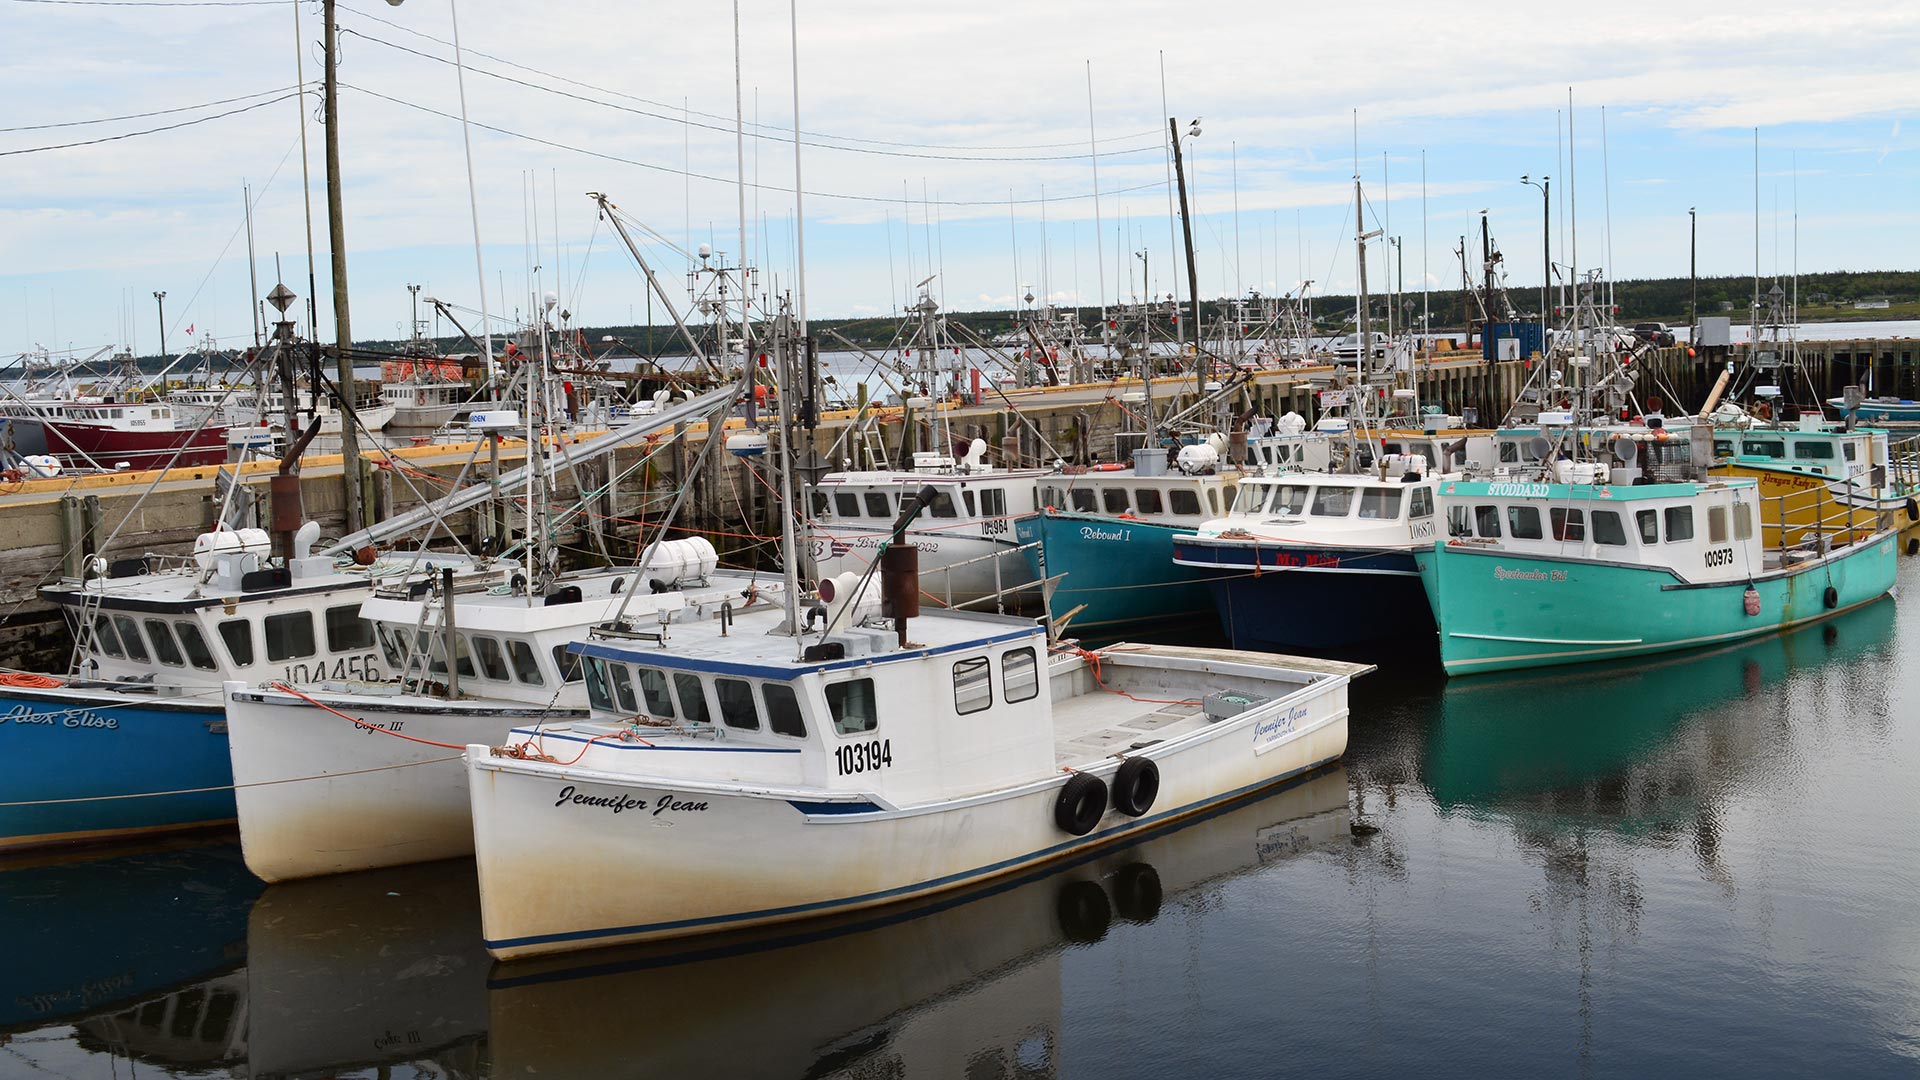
[1100, 246]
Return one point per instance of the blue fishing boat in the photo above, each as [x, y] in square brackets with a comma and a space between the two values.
[1881, 409]
[1106, 538]
[1537, 574]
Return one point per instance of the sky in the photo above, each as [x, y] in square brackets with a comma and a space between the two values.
[938, 141]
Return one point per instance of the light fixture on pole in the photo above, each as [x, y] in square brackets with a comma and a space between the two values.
[1546, 249]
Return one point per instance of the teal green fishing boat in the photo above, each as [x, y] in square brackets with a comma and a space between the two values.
[1536, 574]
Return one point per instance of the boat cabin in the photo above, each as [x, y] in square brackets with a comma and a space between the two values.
[1173, 498]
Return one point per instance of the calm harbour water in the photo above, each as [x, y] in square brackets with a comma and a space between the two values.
[1705, 866]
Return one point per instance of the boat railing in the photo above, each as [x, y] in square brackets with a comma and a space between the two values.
[1001, 590]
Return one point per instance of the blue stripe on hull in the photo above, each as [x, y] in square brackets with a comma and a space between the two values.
[1312, 598]
[76, 745]
[1123, 571]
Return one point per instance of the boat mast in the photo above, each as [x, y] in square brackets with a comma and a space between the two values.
[789, 568]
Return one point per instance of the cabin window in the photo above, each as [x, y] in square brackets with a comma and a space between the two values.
[1608, 530]
[1053, 497]
[654, 692]
[1813, 451]
[390, 647]
[1772, 448]
[736, 703]
[966, 495]
[1147, 501]
[1332, 501]
[1420, 503]
[164, 648]
[130, 637]
[821, 505]
[238, 635]
[195, 645]
[877, 504]
[1567, 524]
[993, 502]
[1509, 453]
[623, 689]
[1020, 675]
[105, 639]
[1742, 521]
[1523, 522]
[1252, 499]
[1114, 499]
[1649, 522]
[567, 663]
[851, 704]
[525, 667]
[1486, 522]
[462, 656]
[289, 635]
[1291, 499]
[783, 710]
[1679, 523]
[1391, 447]
[1380, 504]
[1184, 501]
[1848, 450]
[1082, 499]
[346, 630]
[493, 662]
[846, 504]
[1716, 524]
[693, 700]
[598, 694]
[1459, 521]
[972, 685]
[1213, 501]
[943, 504]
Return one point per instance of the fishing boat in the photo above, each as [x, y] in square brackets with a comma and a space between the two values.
[137, 435]
[1881, 410]
[1103, 539]
[1817, 477]
[794, 764]
[967, 534]
[1533, 573]
[313, 762]
[133, 740]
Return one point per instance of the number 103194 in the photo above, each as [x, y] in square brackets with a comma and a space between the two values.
[864, 756]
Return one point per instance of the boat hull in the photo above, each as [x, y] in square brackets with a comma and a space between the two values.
[139, 449]
[1280, 597]
[80, 766]
[388, 793]
[681, 858]
[1497, 611]
[1119, 573]
[429, 417]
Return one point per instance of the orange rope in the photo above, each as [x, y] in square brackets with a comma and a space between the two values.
[1093, 665]
[362, 723]
[27, 680]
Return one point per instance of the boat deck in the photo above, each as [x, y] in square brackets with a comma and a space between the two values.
[1098, 724]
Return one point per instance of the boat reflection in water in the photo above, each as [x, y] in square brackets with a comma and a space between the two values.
[163, 964]
[131, 953]
[968, 986]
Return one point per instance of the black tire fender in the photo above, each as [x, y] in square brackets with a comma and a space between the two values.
[1135, 786]
[1831, 598]
[1081, 805]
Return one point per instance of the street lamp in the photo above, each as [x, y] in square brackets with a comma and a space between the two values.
[160, 301]
[1693, 276]
[1546, 248]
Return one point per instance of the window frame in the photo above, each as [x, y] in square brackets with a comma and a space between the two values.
[1678, 514]
[245, 626]
[290, 619]
[836, 712]
[722, 686]
[973, 664]
[774, 716]
[351, 611]
[189, 627]
[1032, 660]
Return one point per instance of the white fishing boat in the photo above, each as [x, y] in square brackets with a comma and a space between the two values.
[314, 764]
[735, 775]
[966, 537]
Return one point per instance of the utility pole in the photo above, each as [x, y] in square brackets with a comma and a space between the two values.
[1693, 275]
[160, 301]
[337, 242]
[1546, 252]
[1186, 225]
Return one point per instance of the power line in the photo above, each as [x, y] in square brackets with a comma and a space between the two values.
[150, 131]
[728, 129]
[156, 112]
[719, 179]
[783, 133]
